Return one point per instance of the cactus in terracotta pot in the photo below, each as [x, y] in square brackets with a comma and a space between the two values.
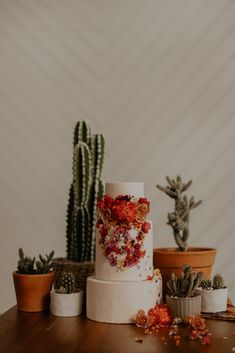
[33, 281]
[179, 218]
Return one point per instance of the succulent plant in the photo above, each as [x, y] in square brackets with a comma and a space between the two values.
[186, 284]
[85, 190]
[206, 284]
[218, 281]
[65, 283]
[179, 219]
[27, 265]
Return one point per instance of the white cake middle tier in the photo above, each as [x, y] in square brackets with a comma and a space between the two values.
[139, 272]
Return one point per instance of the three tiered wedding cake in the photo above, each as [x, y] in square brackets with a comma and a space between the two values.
[124, 280]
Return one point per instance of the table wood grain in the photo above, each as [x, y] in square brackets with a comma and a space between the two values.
[43, 333]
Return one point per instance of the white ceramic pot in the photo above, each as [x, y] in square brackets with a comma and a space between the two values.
[66, 304]
[184, 307]
[214, 301]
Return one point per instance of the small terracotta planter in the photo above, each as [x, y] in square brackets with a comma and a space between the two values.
[66, 304]
[170, 260]
[33, 291]
[214, 300]
[184, 307]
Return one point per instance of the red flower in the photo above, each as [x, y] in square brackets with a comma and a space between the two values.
[161, 314]
[157, 316]
[146, 227]
[143, 200]
[124, 211]
[101, 204]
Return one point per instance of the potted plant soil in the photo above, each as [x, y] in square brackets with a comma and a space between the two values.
[214, 295]
[183, 298]
[33, 281]
[170, 260]
[85, 190]
[66, 298]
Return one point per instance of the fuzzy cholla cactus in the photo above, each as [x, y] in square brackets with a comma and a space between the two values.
[86, 188]
[186, 285]
[179, 219]
[218, 282]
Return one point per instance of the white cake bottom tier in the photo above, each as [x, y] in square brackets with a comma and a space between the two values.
[118, 302]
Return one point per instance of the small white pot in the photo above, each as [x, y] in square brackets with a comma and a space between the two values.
[214, 301]
[66, 304]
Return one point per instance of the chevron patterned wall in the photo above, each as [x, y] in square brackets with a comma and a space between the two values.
[155, 76]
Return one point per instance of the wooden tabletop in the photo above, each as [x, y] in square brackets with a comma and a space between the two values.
[43, 333]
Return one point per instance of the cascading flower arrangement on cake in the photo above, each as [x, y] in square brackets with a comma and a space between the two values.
[118, 218]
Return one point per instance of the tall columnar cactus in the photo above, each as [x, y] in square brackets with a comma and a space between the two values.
[179, 219]
[87, 187]
[184, 286]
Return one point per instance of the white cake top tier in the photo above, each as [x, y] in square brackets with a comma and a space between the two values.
[132, 189]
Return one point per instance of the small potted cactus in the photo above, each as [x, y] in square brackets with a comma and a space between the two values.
[170, 260]
[66, 298]
[33, 282]
[183, 298]
[214, 295]
[85, 190]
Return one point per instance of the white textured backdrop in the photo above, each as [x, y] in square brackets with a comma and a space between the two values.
[155, 76]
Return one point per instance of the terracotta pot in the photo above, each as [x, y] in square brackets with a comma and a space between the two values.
[170, 260]
[66, 304]
[33, 291]
[184, 307]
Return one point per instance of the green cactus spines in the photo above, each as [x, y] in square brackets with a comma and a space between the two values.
[186, 284]
[97, 151]
[82, 133]
[206, 284]
[69, 220]
[65, 283]
[87, 187]
[81, 172]
[179, 219]
[218, 281]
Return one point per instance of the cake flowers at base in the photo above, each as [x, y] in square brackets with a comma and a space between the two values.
[124, 278]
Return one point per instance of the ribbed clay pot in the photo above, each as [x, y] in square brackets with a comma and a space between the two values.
[33, 291]
[184, 307]
[170, 260]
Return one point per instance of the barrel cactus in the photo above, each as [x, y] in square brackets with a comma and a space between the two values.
[186, 284]
[85, 190]
[218, 281]
[179, 219]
